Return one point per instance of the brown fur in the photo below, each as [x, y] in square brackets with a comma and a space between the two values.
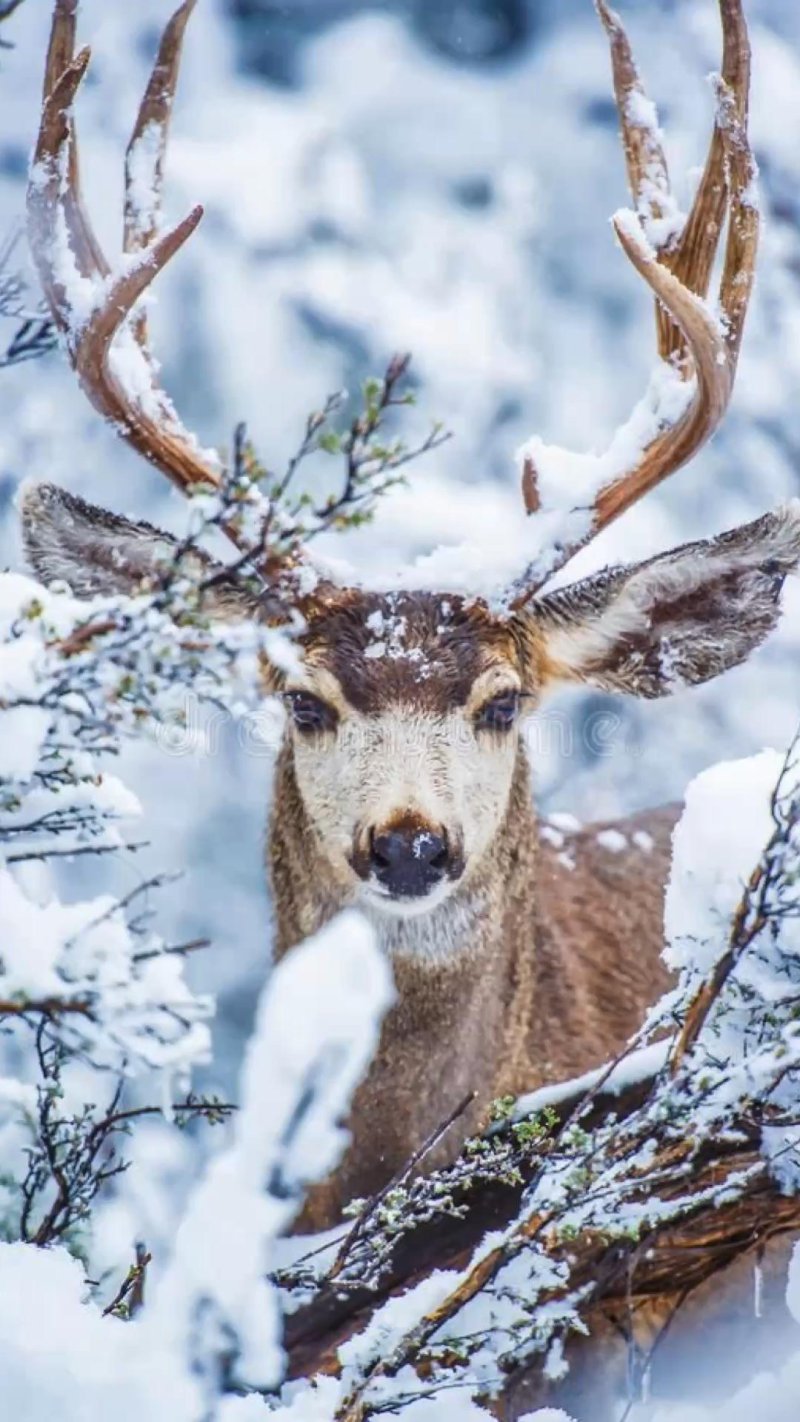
[522, 1003]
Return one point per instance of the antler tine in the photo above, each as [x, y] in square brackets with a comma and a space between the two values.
[741, 250]
[54, 185]
[689, 253]
[645, 161]
[59, 59]
[712, 370]
[62, 43]
[146, 151]
[143, 413]
[693, 259]
[89, 306]
[678, 268]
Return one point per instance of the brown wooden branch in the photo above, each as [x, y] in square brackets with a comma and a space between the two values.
[658, 1269]
[444, 1242]
[45, 1007]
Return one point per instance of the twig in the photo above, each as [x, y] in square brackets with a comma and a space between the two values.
[132, 1284]
[179, 950]
[655, 1345]
[399, 1178]
[49, 1007]
[749, 920]
[28, 855]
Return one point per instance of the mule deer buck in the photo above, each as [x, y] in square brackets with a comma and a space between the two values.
[402, 781]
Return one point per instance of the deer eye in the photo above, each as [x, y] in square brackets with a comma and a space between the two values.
[309, 713]
[499, 714]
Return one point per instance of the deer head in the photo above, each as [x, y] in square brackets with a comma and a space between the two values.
[403, 719]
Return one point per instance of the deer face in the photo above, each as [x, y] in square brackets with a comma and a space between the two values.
[404, 725]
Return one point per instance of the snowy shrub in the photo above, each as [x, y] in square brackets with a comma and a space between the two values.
[90, 996]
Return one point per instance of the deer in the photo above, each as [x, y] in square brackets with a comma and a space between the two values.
[403, 781]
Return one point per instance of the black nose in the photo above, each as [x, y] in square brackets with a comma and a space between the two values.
[409, 860]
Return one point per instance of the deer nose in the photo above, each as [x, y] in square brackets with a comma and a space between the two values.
[409, 860]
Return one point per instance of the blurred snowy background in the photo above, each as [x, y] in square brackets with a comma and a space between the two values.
[437, 176]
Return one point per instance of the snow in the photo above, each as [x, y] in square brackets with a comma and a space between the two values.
[546, 1414]
[393, 1320]
[67, 1363]
[142, 175]
[660, 214]
[258, 318]
[770, 1395]
[568, 483]
[132, 371]
[295, 1089]
[114, 1001]
[636, 1065]
[128, 1011]
[716, 845]
[22, 729]
[316, 1029]
[793, 1285]
[642, 113]
[521, 316]
[84, 953]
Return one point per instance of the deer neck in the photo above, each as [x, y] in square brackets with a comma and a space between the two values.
[464, 993]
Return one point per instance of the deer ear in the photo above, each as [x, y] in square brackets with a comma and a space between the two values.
[102, 554]
[675, 620]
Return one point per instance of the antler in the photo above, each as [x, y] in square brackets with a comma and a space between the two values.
[105, 334]
[677, 262]
[90, 304]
